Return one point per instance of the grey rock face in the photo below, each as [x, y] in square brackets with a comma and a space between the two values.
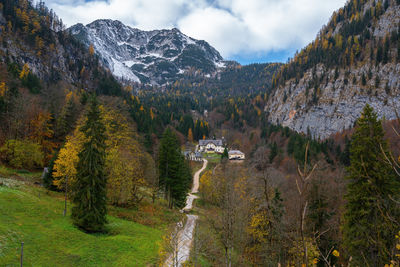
[340, 100]
[155, 57]
[339, 104]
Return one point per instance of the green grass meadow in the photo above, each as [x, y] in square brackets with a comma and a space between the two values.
[52, 240]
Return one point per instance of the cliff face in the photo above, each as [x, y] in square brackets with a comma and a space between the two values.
[339, 104]
[321, 96]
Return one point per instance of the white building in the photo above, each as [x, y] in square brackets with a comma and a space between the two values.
[190, 155]
[236, 155]
[211, 146]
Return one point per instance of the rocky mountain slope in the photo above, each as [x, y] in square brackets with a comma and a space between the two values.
[355, 60]
[32, 37]
[155, 57]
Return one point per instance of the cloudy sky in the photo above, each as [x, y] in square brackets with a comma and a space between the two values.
[244, 30]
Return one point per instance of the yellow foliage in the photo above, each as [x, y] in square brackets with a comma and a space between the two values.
[69, 96]
[3, 89]
[36, 27]
[398, 245]
[126, 163]
[339, 41]
[22, 154]
[297, 252]
[325, 44]
[65, 164]
[41, 132]
[163, 249]
[24, 72]
[91, 50]
[82, 71]
[151, 114]
[206, 186]
[39, 43]
[336, 253]
[240, 187]
[128, 89]
[52, 47]
[259, 226]
[125, 174]
[21, 14]
[190, 135]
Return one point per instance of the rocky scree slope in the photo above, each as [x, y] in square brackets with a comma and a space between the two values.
[355, 60]
[153, 57]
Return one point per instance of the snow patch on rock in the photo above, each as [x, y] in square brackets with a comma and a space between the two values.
[160, 55]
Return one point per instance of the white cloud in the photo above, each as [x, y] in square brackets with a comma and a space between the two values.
[232, 26]
[223, 30]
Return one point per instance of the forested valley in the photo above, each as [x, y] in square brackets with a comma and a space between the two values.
[94, 173]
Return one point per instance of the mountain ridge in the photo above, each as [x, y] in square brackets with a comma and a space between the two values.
[154, 57]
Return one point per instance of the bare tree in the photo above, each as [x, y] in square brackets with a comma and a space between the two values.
[174, 246]
[228, 201]
[302, 182]
[389, 158]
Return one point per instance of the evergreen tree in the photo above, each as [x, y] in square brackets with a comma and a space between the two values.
[274, 152]
[67, 118]
[89, 211]
[363, 80]
[174, 172]
[225, 155]
[369, 229]
[345, 155]
[48, 177]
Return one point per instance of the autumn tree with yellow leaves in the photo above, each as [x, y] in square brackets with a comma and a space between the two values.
[126, 162]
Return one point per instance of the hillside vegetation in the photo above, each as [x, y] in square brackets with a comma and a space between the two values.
[51, 239]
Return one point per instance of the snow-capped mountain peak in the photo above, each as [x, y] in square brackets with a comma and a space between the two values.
[156, 57]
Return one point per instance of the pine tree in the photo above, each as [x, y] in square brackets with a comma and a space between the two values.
[225, 155]
[368, 230]
[67, 118]
[174, 172]
[48, 177]
[89, 211]
[274, 152]
[345, 155]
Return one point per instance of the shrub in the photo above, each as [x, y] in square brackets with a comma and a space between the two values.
[22, 154]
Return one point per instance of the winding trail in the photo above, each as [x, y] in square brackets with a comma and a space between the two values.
[185, 235]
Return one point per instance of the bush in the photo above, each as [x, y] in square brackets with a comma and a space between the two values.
[22, 154]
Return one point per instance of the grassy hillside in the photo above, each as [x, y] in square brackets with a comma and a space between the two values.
[52, 240]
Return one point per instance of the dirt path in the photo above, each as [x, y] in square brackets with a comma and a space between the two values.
[185, 235]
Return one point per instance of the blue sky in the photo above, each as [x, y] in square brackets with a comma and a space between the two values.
[262, 57]
[248, 31]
